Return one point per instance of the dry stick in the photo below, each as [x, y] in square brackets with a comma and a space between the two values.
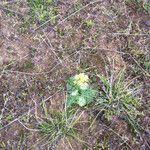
[10, 10]
[36, 73]
[13, 1]
[32, 74]
[53, 51]
[140, 34]
[146, 73]
[110, 129]
[123, 53]
[69, 143]
[3, 109]
[43, 24]
[50, 45]
[39, 141]
[13, 63]
[91, 3]
[33, 130]
[34, 101]
[27, 112]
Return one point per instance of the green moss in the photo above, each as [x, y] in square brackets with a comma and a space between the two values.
[26, 65]
[42, 10]
[140, 5]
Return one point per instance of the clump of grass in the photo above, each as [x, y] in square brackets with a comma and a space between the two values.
[26, 65]
[89, 23]
[60, 125]
[144, 62]
[39, 12]
[140, 4]
[118, 98]
[32, 52]
[146, 6]
[79, 90]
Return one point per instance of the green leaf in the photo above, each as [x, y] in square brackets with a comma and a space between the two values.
[82, 101]
[79, 95]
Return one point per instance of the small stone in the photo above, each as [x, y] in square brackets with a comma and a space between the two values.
[146, 1]
[147, 22]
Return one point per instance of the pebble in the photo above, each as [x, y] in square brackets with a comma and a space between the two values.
[147, 22]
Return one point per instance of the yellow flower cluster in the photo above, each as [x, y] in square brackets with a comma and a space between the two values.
[81, 80]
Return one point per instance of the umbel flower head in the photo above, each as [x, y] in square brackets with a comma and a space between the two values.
[81, 80]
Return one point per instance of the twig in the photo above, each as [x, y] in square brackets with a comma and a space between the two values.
[10, 10]
[63, 20]
[12, 1]
[3, 109]
[123, 53]
[34, 101]
[34, 130]
[53, 51]
[32, 74]
[119, 136]
[127, 34]
[16, 119]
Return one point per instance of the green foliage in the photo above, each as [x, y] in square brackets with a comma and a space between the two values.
[1, 125]
[143, 60]
[146, 64]
[117, 98]
[79, 94]
[146, 6]
[41, 10]
[89, 23]
[140, 4]
[32, 52]
[27, 65]
[59, 125]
